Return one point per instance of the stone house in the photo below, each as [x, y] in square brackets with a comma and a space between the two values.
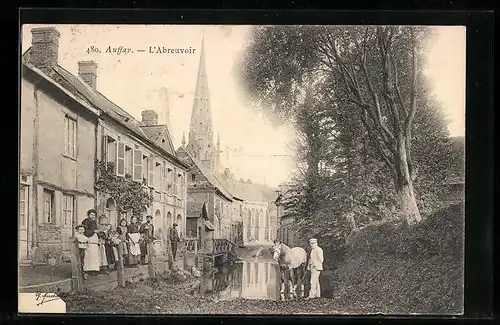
[141, 150]
[92, 128]
[56, 155]
[205, 190]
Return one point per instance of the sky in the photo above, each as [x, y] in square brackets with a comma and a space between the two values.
[252, 147]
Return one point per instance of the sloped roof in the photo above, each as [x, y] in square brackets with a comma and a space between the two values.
[244, 191]
[83, 91]
[211, 177]
[155, 132]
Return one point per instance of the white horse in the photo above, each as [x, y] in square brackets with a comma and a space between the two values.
[292, 261]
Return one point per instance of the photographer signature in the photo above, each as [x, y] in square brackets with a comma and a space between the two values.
[45, 297]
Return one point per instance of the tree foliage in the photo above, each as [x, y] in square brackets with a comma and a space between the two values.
[373, 73]
[128, 194]
[350, 93]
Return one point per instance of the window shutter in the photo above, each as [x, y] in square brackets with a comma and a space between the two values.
[104, 149]
[137, 165]
[120, 159]
[150, 171]
[175, 181]
[164, 178]
[162, 183]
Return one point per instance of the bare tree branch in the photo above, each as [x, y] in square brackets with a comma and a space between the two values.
[384, 49]
[387, 159]
[413, 105]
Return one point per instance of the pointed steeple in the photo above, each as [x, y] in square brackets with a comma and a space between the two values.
[200, 138]
[183, 139]
[217, 153]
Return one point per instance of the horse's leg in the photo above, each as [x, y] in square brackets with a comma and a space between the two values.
[301, 279]
[293, 284]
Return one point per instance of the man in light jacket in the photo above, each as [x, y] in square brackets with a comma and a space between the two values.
[315, 266]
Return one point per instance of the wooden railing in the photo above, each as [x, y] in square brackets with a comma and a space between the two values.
[191, 245]
[223, 246]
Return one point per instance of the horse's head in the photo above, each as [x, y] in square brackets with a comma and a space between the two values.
[276, 250]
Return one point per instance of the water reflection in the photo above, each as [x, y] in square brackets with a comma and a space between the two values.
[246, 279]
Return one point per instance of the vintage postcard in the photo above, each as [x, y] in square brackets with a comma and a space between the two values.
[219, 169]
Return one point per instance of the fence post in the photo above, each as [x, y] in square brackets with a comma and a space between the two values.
[119, 267]
[151, 270]
[76, 267]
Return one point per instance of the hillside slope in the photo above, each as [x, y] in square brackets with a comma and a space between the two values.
[391, 268]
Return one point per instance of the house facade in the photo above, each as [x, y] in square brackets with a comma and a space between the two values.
[56, 157]
[67, 127]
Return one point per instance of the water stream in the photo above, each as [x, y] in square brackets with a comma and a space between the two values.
[252, 279]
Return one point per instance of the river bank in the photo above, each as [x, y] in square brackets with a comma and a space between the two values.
[172, 294]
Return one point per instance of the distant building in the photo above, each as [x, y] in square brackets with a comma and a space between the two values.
[237, 211]
[66, 126]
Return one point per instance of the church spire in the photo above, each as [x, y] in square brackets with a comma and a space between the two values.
[200, 138]
[183, 139]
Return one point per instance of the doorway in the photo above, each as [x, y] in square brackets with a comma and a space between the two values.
[111, 212]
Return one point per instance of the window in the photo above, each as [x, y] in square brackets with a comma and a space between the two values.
[163, 170]
[129, 161]
[175, 182]
[111, 151]
[169, 180]
[48, 206]
[137, 166]
[68, 210]
[179, 184]
[23, 205]
[69, 137]
[120, 159]
[193, 177]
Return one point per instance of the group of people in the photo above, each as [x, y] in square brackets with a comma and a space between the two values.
[98, 243]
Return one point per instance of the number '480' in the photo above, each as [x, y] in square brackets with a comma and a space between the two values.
[93, 49]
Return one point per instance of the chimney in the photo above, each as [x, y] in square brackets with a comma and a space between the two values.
[87, 71]
[149, 117]
[44, 47]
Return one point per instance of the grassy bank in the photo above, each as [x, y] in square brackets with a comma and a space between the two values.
[393, 268]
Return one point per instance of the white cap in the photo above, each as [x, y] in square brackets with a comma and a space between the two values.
[313, 241]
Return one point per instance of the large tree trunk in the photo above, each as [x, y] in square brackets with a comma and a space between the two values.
[408, 203]
[404, 184]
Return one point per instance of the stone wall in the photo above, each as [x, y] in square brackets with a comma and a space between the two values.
[48, 237]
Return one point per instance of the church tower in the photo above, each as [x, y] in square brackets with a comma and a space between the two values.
[200, 139]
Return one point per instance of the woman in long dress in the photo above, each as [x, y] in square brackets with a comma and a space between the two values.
[134, 247]
[91, 260]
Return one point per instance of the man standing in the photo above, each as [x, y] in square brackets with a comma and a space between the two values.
[174, 239]
[315, 266]
[148, 230]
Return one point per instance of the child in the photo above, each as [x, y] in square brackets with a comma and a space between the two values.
[113, 242]
[83, 244]
[122, 235]
[102, 233]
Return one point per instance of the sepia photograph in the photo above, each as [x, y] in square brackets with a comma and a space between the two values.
[242, 169]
